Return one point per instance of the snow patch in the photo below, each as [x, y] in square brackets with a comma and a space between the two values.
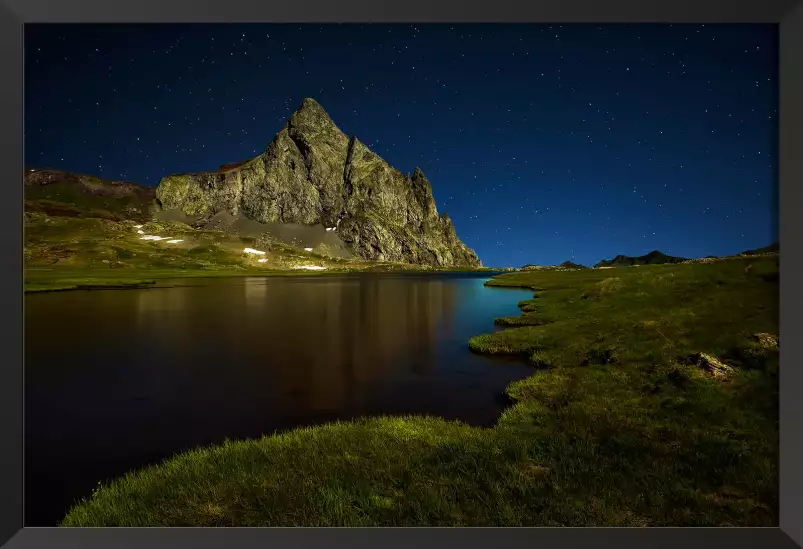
[253, 251]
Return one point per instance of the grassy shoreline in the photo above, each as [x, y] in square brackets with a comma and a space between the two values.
[624, 422]
[66, 279]
[71, 253]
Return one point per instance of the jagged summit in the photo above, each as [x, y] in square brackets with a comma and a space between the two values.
[310, 103]
[312, 173]
[312, 116]
[311, 106]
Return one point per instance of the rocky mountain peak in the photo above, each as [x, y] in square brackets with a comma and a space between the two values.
[310, 103]
[314, 174]
[312, 117]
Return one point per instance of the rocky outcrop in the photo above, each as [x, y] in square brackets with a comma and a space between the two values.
[312, 173]
[767, 341]
[709, 363]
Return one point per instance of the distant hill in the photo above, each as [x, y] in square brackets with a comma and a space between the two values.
[653, 258]
[564, 265]
[66, 194]
[772, 248]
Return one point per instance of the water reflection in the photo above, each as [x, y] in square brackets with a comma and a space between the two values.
[256, 290]
[324, 342]
[160, 301]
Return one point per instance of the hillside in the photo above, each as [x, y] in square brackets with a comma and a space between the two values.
[65, 194]
[572, 265]
[771, 249]
[67, 251]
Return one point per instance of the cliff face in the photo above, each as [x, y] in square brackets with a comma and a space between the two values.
[312, 173]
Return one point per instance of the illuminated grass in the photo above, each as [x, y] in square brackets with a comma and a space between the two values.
[61, 250]
[613, 428]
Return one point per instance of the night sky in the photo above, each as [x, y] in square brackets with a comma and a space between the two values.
[543, 142]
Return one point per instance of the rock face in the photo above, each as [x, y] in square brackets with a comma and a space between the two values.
[312, 173]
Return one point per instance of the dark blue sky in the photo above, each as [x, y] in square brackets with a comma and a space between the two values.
[543, 142]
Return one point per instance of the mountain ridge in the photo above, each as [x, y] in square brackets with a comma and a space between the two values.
[655, 257]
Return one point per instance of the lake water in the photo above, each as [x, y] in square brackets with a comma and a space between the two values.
[118, 379]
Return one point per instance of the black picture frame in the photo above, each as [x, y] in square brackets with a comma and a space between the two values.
[14, 14]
